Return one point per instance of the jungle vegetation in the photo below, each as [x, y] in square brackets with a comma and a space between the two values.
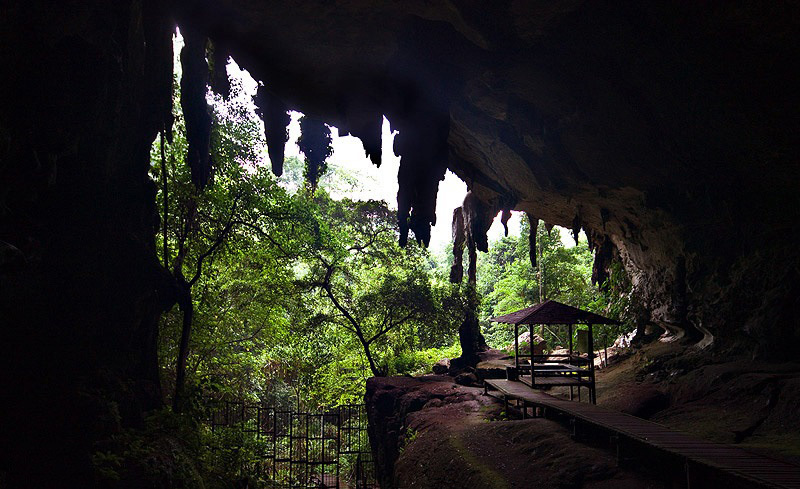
[290, 295]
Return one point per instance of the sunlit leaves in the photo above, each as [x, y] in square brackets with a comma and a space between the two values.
[507, 282]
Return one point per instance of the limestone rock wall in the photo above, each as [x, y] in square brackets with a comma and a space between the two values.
[85, 87]
[669, 130]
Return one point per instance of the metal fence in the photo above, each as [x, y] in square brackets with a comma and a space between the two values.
[286, 449]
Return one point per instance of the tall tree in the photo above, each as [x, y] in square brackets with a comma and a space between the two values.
[373, 286]
[241, 203]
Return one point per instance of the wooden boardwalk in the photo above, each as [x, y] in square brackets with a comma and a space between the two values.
[757, 470]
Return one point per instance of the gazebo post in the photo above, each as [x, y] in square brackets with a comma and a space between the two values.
[553, 312]
[592, 394]
[569, 361]
[570, 344]
[516, 347]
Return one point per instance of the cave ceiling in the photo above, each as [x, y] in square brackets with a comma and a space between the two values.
[666, 131]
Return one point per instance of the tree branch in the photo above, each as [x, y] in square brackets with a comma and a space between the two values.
[217, 242]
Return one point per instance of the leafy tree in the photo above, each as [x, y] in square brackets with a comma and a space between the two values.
[508, 282]
[378, 292]
[241, 206]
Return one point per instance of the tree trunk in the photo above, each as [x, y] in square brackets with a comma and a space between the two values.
[356, 327]
[187, 307]
[469, 333]
[165, 189]
[375, 370]
[539, 270]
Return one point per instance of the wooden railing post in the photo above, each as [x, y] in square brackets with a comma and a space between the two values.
[592, 394]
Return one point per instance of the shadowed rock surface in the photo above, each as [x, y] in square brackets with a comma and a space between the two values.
[428, 432]
[666, 132]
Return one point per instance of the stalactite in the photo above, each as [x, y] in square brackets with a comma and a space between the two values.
[366, 125]
[605, 215]
[480, 220]
[471, 222]
[195, 109]
[504, 220]
[459, 238]
[576, 227]
[276, 119]
[422, 144]
[603, 256]
[534, 225]
[315, 143]
[371, 139]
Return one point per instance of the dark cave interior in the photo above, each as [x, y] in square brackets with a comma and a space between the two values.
[667, 132]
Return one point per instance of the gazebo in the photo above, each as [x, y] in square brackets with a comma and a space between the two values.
[547, 370]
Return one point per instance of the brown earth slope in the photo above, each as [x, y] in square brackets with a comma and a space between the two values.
[430, 432]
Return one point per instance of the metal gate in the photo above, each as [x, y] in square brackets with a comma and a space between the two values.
[286, 449]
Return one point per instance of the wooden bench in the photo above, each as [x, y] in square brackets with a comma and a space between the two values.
[572, 372]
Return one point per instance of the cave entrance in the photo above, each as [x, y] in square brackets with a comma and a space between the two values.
[293, 288]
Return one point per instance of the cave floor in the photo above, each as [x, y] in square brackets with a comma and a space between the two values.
[485, 449]
[465, 439]
[455, 436]
[718, 398]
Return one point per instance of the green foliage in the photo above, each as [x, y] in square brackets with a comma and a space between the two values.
[419, 362]
[297, 297]
[164, 454]
[294, 298]
[379, 302]
[408, 438]
[263, 328]
[507, 282]
[229, 243]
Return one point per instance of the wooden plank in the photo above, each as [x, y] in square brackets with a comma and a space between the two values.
[733, 460]
[554, 381]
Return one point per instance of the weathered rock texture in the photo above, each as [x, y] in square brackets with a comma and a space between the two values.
[86, 86]
[431, 433]
[727, 400]
[667, 131]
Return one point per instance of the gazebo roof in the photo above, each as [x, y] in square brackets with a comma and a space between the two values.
[552, 312]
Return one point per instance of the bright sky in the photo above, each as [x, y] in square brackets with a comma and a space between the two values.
[381, 183]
